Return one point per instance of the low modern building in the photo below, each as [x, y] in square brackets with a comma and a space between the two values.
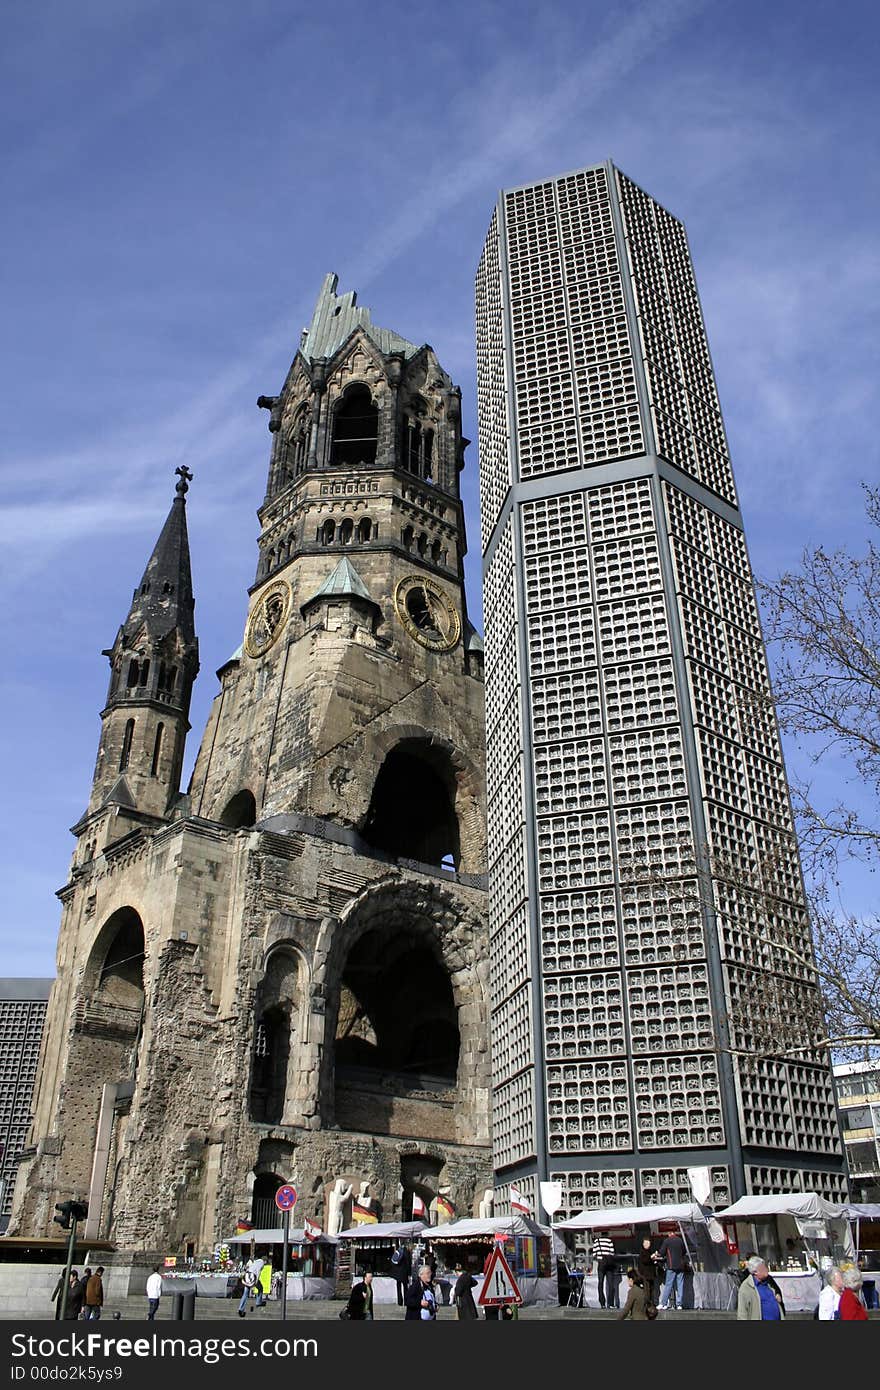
[858, 1099]
[22, 1015]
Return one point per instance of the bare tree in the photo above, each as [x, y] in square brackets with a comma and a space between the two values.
[824, 621]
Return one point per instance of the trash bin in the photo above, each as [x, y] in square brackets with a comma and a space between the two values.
[176, 1306]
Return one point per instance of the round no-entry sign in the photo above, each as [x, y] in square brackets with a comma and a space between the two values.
[285, 1197]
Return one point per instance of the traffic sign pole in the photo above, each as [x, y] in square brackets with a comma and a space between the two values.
[286, 1226]
[285, 1201]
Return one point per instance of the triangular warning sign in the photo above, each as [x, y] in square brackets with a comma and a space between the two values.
[499, 1285]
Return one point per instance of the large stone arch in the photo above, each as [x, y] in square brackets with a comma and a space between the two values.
[418, 934]
[113, 974]
[447, 769]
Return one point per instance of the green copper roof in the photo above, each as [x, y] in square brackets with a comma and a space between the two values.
[336, 316]
[344, 580]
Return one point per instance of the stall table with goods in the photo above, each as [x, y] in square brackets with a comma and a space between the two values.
[799, 1234]
[711, 1281]
[526, 1245]
[370, 1245]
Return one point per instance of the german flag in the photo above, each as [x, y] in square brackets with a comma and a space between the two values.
[362, 1216]
[445, 1208]
[242, 1227]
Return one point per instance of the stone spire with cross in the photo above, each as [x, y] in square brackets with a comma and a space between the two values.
[153, 664]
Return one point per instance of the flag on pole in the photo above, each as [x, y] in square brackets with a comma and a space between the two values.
[419, 1210]
[362, 1216]
[445, 1208]
[518, 1202]
[312, 1229]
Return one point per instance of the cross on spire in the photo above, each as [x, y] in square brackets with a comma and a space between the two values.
[185, 479]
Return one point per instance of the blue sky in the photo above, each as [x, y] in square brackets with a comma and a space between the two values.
[177, 179]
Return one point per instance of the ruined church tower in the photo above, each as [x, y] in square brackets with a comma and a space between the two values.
[282, 975]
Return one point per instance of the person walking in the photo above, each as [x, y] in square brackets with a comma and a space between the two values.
[606, 1264]
[852, 1309]
[360, 1300]
[829, 1298]
[56, 1292]
[95, 1295]
[756, 1301]
[264, 1284]
[462, 1295]
[672, 1253]
[401, 1269]
[154, 1293]
[249, 1282]
[636, 1305]
[76, 1292]
[421, 1304]
[646, 1267]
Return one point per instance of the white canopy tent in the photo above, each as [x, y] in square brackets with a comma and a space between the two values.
[384, 1230]
[469, 1227]
[606, 1218]
[805, 1208]
[274, 1235]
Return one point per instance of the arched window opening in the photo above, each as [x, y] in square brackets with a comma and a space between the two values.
[327, 532]
[397, 1016]
[167, 588]
[264, 1213]
[121, 977]
[240, 812]
[412, 810]
[417, 441]
[435, 552]
[407, 536]
[269, 1074]
[346, 531]
[365, 529]
[145, 588]
[127, 737]
[167, 677]
[133, 673]
[422, 544]
[300, 439]
[355, 429]
[157, 750]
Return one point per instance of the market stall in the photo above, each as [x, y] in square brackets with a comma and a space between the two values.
[370, 1246]
[799, 1234]
[711, 1285]
[526, 1247]
[311, 1264]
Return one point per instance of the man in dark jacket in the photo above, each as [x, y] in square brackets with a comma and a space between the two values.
[421, 1305]
[75, 1297]
[462, 1296]
[672, 1254]
[360, 1300]
[401, 1268]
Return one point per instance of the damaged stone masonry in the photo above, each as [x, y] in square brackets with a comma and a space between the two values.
[282, 974]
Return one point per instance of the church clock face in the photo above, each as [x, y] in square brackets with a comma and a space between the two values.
[427, 613]
[267, 620]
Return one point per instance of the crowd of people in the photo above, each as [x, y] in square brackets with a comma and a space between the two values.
[85, 1295]
[417, 1293]
[656, 1283]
